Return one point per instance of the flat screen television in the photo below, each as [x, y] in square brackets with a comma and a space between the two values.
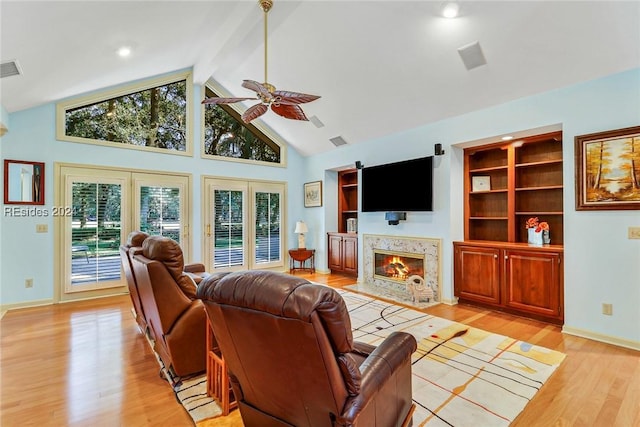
[405, 186]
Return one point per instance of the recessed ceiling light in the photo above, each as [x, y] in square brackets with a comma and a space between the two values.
[507, 138]
[124, 51]
[450, 9]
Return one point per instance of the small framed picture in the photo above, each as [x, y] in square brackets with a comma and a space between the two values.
[313, 194]
[480, 183]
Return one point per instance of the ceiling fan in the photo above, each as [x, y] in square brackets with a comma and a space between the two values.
[282, 102]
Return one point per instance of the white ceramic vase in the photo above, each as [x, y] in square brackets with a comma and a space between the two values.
[534, 238]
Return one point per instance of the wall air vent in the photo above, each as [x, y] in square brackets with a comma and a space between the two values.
[9, 68]
[338, 141]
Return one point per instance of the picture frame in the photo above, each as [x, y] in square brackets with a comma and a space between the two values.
[313, 194]
[608, 170]
[480, 183]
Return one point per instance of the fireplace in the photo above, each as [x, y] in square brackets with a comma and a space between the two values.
[392, 265]
[388, 261]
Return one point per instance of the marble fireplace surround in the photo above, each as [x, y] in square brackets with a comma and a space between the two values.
[429, 247]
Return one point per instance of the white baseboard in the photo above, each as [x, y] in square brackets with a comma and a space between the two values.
[450, 301]
[25, 304]
[620, 342]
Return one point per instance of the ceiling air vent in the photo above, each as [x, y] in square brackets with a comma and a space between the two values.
[316, 121]
[9, 68]
[472, 55]
[338, 141]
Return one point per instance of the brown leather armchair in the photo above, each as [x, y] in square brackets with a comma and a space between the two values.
[175, 316]
[292, 360]
[134, 239]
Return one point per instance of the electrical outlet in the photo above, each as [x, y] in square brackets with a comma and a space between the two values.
[607, 309]
[634, 232]
[28, 283]
[42, 228]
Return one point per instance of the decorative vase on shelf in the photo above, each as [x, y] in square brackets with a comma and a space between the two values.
[534, 238]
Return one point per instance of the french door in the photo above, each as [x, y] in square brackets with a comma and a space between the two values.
[243, 224]
[101, 207]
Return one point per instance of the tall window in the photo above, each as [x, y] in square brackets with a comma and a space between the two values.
[152, 116]
[160, 211]
[244, 223]
[160, 206]
[267, 227]
[226, 135]
[228, 228]
[95, 232]
[101, 207]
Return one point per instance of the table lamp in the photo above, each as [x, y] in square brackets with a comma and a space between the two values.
[301, 228]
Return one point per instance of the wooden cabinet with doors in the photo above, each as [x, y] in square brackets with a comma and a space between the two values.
[343, 253]
[505, 184]
[513, 277]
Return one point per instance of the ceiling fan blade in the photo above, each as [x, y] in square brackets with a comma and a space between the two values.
[256, 87]
[254, 112]
[218, 100]
[289, 111]
[288, 97]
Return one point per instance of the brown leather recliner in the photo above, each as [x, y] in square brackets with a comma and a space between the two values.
[175, 316]
[292, 360]
[134, 239]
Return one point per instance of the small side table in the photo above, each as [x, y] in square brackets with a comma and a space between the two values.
[218, 385]
[303, 257]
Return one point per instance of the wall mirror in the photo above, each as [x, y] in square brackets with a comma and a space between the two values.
[23, 182]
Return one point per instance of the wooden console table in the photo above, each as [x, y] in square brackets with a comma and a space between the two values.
[218, 386]
[302, 256]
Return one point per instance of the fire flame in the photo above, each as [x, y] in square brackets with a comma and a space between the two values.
[396, 268]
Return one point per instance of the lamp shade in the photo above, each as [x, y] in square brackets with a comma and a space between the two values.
[301, 227]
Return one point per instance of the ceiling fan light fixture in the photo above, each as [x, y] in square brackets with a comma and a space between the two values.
[282, 102]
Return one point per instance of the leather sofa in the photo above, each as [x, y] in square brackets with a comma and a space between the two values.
[175, 317]
[134, 240]
[291, 356]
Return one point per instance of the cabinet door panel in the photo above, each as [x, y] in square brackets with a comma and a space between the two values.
[533, 282]
[335, 253]
[350, 255]
[477, 274]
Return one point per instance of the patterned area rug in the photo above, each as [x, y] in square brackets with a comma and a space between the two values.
[190, 392]
[390, 294]
[462, 376]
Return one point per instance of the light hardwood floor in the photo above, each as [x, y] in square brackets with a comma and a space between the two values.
[87, 364]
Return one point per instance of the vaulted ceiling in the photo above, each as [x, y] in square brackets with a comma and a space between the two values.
[380, 66]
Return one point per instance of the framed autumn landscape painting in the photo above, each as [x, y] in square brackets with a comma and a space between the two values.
[608, 170]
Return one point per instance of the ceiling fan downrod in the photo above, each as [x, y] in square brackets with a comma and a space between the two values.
[266, 6]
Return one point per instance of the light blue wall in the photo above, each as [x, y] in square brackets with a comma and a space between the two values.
[4, 118]
[601, 264]
[32, 137]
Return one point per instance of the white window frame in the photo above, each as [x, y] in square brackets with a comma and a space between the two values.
[63, 172]
[209, 185]
[63, 106]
